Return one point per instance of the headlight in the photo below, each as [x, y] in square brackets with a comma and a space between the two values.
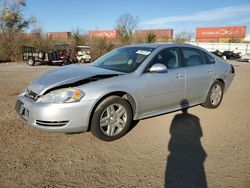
[67, 95]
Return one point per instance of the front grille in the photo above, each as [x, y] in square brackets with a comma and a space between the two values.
[51, 123]
[18, 107]
[31, 94]
[23, 112]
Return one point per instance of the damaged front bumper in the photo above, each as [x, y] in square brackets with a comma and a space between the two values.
[66, 117]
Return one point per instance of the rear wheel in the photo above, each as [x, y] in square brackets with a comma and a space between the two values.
[65, 62]
[111, 119]
[215, 95]
[31, 62]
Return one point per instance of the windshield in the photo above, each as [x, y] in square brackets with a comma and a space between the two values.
[83, 50]
[126, 59]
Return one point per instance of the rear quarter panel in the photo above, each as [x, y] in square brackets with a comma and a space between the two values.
[222, 70]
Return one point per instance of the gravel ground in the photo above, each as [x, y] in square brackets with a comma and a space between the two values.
[204, 148]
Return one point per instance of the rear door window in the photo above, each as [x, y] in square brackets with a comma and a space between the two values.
[209, 59]
[168, 57]
[192, 57]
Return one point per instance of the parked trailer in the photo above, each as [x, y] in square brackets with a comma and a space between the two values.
[30, 55]
[57, 57]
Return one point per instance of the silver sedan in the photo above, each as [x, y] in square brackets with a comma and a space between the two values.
[127, 84]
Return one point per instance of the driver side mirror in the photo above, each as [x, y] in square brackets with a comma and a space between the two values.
[158, 68]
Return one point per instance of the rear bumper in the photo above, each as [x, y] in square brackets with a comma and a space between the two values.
[67, 118]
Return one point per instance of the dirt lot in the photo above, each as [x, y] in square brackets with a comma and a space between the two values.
[205, 148]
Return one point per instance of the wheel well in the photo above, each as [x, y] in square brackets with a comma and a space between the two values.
[122, 94]
[222, 81]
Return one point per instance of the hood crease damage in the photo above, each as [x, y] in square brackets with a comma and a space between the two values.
[83, 81]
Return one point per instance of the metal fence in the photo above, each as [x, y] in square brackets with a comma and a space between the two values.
[242, 47]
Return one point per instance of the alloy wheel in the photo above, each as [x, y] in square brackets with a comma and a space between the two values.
[216, 94]
[113, 119]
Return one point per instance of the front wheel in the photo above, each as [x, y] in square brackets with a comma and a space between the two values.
[215, 95]
[111, 119]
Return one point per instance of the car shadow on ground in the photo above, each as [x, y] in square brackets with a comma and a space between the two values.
[185, 166]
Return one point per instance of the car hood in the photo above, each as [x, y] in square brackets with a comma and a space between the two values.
[68, 76]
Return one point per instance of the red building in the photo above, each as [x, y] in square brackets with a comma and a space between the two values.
[29, 35]
[59, 35]
[220, 34]
[109, 34]
[161, 34]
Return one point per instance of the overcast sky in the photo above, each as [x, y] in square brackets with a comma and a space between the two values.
[65, 15]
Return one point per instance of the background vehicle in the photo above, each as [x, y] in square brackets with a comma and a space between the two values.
[231, 55]
[83, 54]
[127, 84]
[30, 55]
[227, 54]
[245, 57]
[60, 56]
[217, 53]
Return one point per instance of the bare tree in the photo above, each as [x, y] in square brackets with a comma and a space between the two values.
[190, 35]
[37, 30]
[126, 24]
[184, 36]
[151, 37]
[100, 46]
[78, 38]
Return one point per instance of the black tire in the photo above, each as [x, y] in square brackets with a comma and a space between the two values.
[65, 62]
[31, 62]
[88, 61]
[209, 103]
[100, 110]
[44, 63]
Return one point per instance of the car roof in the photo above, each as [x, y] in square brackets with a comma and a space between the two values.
[156, 45]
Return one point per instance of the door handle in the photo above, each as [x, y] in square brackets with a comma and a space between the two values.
[179, 76]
